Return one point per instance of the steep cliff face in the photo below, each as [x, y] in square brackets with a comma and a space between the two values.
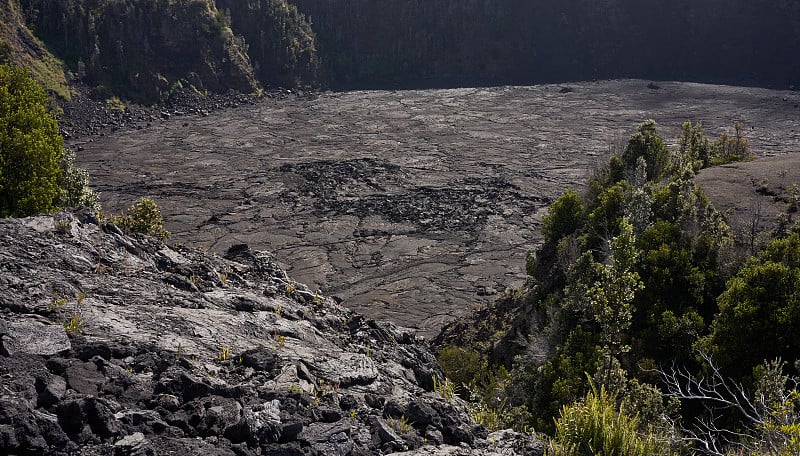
[747, 42]
[280, 42]
[139, 49]
[19, 47]
[399, 41]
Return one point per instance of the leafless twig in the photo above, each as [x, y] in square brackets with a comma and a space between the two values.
[719, 394]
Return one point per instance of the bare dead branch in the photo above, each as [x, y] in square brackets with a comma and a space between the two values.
[718, 394]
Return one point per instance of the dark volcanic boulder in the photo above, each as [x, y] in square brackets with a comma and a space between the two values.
[34, 338]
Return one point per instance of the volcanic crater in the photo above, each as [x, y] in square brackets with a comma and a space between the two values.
[411, 206]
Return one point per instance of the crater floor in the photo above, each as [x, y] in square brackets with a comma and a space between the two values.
[411, 206]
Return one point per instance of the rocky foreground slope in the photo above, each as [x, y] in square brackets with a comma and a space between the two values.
[113, 344]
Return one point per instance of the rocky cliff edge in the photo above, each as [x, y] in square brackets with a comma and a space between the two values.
[112, 344]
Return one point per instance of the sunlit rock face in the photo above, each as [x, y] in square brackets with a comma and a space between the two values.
[118, 344]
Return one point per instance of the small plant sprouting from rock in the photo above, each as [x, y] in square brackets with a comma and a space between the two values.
[318, 395]
[143, 217]
[73, 320]
[223, 277]
[58, 303]
[74, 324]
[328, 386]
[224, 353]
[446, 388]
[279, 338]
[62, 225]
[115, 104]
[400, 425]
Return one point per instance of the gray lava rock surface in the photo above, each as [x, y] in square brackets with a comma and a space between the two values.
[153, 368]
[413, 205]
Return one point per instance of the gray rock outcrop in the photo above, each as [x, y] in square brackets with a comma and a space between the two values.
[121, 345]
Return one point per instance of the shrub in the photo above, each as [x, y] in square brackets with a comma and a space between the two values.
[461, 365]
[30, 147]
[694, 148]
[36, 174]
[648, 144]
[596, 426]
[759, 312]
[564, 216]
[74, 183]
[729, 149]
[143, 217]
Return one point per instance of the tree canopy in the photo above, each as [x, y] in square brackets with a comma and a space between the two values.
[30, 147]
[37, 175]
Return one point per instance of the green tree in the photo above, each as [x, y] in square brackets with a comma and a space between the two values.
[562, 379]
[563, 217]
[694, 148]
[30, 148]
[648, 144]
[612, 296]
[759, 312]
[605, 215]
[639, 208]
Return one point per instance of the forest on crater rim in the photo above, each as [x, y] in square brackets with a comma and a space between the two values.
[143, 49]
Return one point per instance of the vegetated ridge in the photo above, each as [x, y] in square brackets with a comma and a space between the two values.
[143, 50]
[20, 47]
[453, 42]
[642, 303]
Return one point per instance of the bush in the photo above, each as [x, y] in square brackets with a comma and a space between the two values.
[74, 183]
[596, 426]
[730, 149]
[759, 312]
[694, 148]
[36, 174]
[648, 144]
[461, 365]
[564, 216]
[143, 217]
[30, 148]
